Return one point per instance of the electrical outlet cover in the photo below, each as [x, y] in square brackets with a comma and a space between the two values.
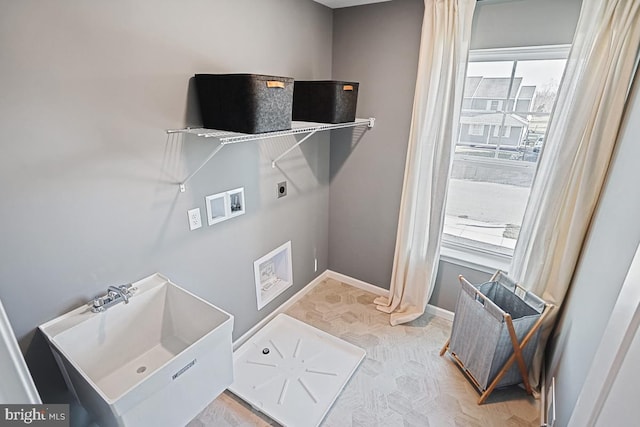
[282, 189]
[195, 220]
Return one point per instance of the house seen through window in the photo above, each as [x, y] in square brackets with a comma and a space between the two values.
[508, 98]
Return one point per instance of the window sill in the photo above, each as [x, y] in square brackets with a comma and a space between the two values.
[474, 258]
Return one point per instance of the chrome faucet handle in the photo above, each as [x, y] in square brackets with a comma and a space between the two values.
[119, 291]
[97, 305]
[128, 289]
[114, 295]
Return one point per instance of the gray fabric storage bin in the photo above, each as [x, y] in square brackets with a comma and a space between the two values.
[325, 101]
[479, 336]
[246, 103]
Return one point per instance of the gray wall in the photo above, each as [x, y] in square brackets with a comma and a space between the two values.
[606, 257]
[366, 180]
[378, 45]
[89, 196]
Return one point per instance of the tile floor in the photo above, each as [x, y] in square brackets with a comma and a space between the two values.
[402, 382]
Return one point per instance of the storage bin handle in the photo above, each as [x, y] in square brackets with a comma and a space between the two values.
[520, 292]
[275, 83]
[347, 87]
[481, 299]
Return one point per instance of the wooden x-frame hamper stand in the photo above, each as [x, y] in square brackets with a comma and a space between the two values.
[479, 335]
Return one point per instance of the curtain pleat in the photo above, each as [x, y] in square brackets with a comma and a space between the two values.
[444, 49]
[579, 145]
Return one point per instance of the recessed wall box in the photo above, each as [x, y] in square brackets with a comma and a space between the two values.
[217, 208]
[273, 274]
[225, 205]
[236, 201]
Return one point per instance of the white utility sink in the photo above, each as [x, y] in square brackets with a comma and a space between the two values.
[157, 360]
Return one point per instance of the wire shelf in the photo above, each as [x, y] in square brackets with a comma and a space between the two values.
[227, 137]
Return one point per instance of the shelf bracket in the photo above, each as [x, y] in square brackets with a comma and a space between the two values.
[183, 187]
[309, 135]
[229, 137]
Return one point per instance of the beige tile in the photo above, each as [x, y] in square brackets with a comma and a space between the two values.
[402, 382]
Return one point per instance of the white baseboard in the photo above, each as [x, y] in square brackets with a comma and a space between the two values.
[348, 280]
[281, 309]
[329, 274]
[431, 309]
[440, 312]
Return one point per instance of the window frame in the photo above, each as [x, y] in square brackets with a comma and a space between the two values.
[498, 103]
[479, 127]
[506, 131]
[471, 255]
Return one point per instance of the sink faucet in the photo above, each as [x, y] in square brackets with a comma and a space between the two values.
[115, 295]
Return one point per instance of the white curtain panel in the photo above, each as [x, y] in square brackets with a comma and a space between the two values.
[444, 49]
[579, 144]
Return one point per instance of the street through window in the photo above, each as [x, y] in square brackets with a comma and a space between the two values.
[507, 103]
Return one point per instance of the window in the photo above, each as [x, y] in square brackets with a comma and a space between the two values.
[506, 131]
[476, 129]
[490, 180]
[494, 105]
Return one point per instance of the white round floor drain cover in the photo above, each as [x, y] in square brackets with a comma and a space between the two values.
[293, 372]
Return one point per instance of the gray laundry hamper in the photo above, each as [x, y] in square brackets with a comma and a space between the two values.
[496, 323]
